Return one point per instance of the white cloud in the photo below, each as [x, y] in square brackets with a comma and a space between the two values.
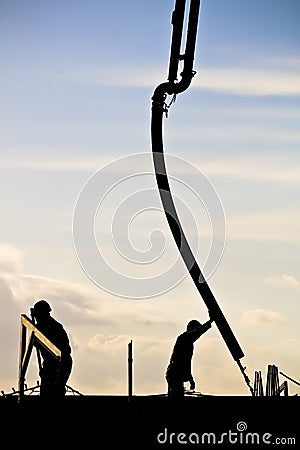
[263, 317]
[249, 81]
[110, 344]
[276, 225]
[280, 169]
[239, 133]
[127, 77]
[101, 327]
[236, 81]
[11, 258]
[52, 163]
[283, 281]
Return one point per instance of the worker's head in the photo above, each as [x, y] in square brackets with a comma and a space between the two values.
[41, 309]
[192, 325]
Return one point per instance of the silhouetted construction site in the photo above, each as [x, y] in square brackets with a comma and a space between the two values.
[153, 421]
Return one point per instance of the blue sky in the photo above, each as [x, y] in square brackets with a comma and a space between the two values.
[75, 85]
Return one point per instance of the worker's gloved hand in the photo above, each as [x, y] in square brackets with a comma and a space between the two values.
[210, 316]
[192, 385]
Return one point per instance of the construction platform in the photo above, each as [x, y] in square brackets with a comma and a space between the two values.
[151, 422]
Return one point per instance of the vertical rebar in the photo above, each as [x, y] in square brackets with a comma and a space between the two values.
[21, 378]
[130, 364]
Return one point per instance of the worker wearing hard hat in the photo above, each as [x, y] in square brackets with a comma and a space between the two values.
[179, 369]
[53, 373]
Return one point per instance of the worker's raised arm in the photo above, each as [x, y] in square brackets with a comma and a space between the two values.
[197, 329]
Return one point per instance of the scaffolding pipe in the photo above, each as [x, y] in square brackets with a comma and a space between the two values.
[130, 376]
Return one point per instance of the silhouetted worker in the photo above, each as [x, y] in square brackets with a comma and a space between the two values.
[179, 369]
[54, 374]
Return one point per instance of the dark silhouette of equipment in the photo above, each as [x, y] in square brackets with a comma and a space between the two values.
[35, 390]
[289, 378]
[273, 388]
[159, 108]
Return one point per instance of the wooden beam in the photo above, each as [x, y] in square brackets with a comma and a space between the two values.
[21, 379]
[26, 356]
[40, 337]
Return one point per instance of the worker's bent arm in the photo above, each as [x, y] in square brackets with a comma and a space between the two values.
[197, 332]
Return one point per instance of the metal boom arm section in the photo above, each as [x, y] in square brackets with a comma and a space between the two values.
[173, 87]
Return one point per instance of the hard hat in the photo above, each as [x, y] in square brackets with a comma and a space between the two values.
[42, 306]
[192, 325]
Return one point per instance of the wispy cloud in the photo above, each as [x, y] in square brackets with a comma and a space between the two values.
[250, 82]
[11, 259]
[281, 225]
[230, 80]
[99, 329]
[283, 281]
[253, 167]
[54, 163]
[264, 317]
[279, 169]
[108, 344]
